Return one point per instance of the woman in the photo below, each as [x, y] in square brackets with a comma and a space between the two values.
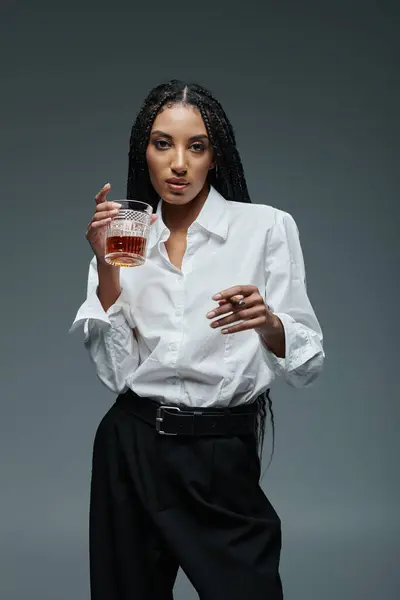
[191, 342]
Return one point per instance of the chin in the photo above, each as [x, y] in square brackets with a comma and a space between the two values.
[177, 201]
[172, 197]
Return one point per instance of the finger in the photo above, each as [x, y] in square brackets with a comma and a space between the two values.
[241, 315]
[105, 214]
[107, 205]
[98, 224]
[231, 307]
[93, 227]
[238, 301]
[237, 290]
[102, 194]
[104, 217]
[221, 310]
[245, 326]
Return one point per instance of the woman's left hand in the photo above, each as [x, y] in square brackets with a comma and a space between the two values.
[252, 311]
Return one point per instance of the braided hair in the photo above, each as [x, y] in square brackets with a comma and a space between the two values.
[227, 177]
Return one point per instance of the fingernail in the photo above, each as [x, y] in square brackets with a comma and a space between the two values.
[224, 330]
[210, 314]
[105, 185]
[117, 204]
[217, 297]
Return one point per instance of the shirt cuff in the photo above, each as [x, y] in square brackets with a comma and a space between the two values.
[299, 346]
[92, 310]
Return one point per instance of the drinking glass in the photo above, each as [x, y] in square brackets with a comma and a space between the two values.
[126, 237]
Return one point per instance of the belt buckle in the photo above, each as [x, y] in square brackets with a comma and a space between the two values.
[160, 419]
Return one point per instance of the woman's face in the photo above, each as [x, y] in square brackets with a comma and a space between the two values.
[179, 154]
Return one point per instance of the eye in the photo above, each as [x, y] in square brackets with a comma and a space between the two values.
[197, 147]
[161, 144]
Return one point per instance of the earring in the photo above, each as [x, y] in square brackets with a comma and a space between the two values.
[214, 168]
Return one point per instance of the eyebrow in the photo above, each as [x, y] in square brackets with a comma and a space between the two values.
[201, 136]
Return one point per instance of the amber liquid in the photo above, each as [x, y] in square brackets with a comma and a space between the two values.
[125, 250]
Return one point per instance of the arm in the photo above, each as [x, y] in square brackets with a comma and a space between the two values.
[109, 288]
[108, 328]
[297, 332]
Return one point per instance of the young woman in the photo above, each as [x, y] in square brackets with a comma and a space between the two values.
[190, 342]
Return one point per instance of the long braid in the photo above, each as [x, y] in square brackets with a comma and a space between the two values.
[262, 401]
[228, 177]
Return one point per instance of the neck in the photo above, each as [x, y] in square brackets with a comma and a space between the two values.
[178, 218]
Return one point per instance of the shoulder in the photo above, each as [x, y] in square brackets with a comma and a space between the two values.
[265, 216]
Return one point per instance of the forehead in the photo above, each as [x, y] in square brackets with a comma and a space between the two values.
[180, 119]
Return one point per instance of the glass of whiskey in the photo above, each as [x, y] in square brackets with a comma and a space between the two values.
[126, 237]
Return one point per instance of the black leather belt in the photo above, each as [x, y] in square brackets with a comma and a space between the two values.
[183, 420]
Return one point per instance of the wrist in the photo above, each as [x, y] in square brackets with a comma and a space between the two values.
[272, 329]
[102, 261]
[109, 287]
[273, 336]
[106, 268]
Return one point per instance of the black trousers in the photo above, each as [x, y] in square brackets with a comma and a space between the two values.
[160, 502]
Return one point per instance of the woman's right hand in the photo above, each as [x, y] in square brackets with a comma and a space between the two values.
[105, 211]
[97, 228]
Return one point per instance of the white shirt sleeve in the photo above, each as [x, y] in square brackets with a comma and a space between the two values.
[286, 295]
[108, 335]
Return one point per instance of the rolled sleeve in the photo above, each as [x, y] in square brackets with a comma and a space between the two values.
[286, 295]
[108, 335]
[91, 313]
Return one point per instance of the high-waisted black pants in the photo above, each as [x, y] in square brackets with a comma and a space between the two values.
[160, 502]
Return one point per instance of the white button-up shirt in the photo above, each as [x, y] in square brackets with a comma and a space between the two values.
[156, 338]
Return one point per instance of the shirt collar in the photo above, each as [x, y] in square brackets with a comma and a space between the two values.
[157, 229]
[212, 218]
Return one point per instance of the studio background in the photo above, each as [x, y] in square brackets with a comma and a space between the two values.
[312, 90]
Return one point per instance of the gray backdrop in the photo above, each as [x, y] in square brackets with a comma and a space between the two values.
[313, 93]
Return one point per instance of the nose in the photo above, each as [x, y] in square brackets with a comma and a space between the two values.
[178, 163]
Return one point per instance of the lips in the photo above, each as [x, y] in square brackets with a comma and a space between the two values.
[177, 181]
[177, 184]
